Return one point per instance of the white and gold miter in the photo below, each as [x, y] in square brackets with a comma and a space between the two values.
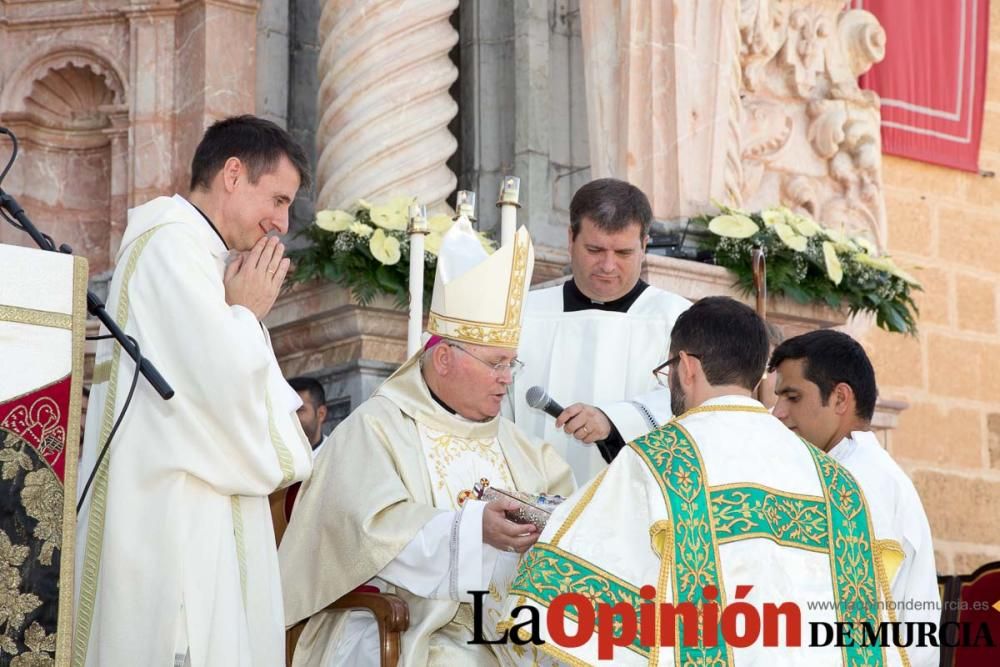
[478, 297]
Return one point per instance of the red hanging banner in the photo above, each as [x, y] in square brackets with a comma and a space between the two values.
[933, 80]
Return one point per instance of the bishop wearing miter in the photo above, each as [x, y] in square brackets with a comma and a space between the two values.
[392, 502]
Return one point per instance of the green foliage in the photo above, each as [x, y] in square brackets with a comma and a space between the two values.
[344, 258]
[870, 284]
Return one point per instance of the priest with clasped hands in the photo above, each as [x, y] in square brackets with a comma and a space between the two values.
[176, 562]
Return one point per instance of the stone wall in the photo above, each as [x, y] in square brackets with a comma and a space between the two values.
[109, 99]
[303, 44]
[523, 109]
[945, 223]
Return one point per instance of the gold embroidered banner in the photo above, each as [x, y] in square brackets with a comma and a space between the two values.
[42, 322]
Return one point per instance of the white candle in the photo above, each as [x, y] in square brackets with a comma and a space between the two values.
[416, 229]
[508, 203]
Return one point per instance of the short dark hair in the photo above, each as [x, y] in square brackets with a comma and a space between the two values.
[258, 143]
[310, 386]
[729, 338]
[612, 205]
[828, 358]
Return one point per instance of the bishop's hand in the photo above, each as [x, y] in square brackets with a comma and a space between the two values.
[502, 533]
[254, 278]
[584, 422]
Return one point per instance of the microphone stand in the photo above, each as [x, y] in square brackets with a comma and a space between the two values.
[94, 305]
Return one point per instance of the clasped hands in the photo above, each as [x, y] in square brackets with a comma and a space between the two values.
[254, 278]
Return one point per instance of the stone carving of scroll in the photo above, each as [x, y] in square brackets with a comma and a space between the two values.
[384, 105]
[810, 135]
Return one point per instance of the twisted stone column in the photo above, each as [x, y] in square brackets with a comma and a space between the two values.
[384, 106]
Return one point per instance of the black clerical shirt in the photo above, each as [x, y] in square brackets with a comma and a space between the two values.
[574, 299]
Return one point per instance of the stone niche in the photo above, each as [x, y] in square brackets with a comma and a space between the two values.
[69, 118]
[109, 99]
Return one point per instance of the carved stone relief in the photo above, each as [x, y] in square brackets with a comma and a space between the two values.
[810, 135]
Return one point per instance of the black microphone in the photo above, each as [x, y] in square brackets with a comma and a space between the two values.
[537, 398]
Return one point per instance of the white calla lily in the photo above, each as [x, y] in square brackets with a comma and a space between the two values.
[789, 236]
[361, 229]
[805, 226]
[733, 226]
[334, 221]
[834, 270]
[384, 248]
[866, 245]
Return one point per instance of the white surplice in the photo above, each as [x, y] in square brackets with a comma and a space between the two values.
[620, 526]
[902, 516]
[596, 357]
[175, 548]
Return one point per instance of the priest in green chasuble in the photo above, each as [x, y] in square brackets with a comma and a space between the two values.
[391, 502]
[718, 515]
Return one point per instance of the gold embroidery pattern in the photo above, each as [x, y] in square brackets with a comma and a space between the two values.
[41, 491]
[42, 497]
[40, 318]
[14, 458]
[757, 511]
[39, 425]
[483, 335]
[67, 562]
[284, 456]
[509, 332]
[241, 549]
[14, 605]
[547, 571]
[99, 491]
[41, 645]
[852, 561]
[673, 458]
[446, 449]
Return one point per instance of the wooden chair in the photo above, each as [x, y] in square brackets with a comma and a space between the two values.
[969, 599]
[390, 611]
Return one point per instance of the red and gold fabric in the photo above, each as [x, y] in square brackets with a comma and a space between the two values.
[42, 322]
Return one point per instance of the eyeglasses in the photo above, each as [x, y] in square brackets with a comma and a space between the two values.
[499, 368]
[662, 372]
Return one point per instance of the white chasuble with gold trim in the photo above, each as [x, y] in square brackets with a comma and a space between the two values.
[175, 546]
[382, 507]
[455, 464]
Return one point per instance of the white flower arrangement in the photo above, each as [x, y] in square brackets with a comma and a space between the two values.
[366, 249]
[810, 262]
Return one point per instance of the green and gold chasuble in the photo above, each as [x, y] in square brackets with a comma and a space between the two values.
[700, 519]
